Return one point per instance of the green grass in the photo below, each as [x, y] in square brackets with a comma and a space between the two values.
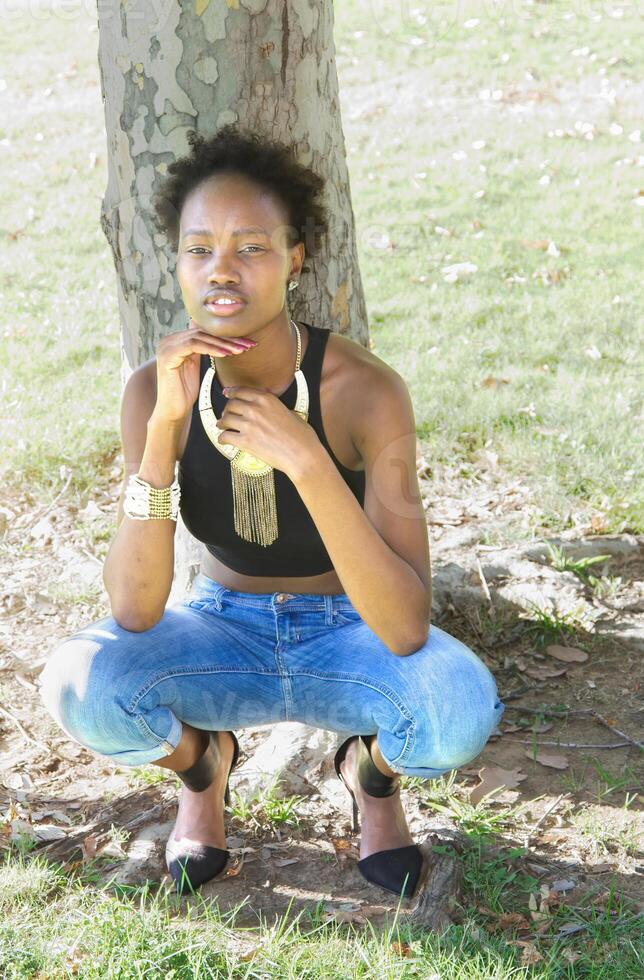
[565, 421]
[265, 808]
[56, 925]
[552, 626]
[501, 361]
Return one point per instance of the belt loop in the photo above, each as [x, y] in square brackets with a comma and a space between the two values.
[328, 610]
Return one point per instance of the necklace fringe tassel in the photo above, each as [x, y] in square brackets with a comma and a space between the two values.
[255, 506]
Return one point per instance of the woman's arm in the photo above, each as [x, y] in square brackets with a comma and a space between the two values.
[139, 567]
[156, 409]
[381, 553]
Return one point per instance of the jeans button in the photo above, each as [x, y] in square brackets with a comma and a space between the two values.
[283, 596]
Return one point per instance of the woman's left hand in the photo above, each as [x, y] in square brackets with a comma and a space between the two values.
[256, 421]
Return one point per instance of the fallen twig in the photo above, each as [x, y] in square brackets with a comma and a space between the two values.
[484, 584]
[576, 713]
[92, 557]
[603, 721]
[23, 730]
[568, 745]
[544, 711]
[41, 513]
[553, 806]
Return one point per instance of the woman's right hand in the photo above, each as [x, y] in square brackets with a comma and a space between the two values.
[178, 367]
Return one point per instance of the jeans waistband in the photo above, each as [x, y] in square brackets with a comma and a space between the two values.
[206, 587]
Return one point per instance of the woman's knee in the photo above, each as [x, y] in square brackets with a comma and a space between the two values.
[454, 708]
[80, 683]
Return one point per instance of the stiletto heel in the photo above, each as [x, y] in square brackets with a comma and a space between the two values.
[191, 865]
[396, 869]
[355, 826]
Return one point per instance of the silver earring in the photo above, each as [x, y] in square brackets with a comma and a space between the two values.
[293, 284]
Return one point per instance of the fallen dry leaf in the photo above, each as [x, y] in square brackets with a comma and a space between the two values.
[551, 837]
[284, 861]
[401, 949]
[537, 914]
[529, 952]
[570, 955]
[544, 673]
[340, 915]
[601, 868]
[373, 910]
[249, 954]
[88, 847]
[18, 780]
[548, 759]
[233, 870]
[495, 778]
[343, 848]
[513, 920]
[569, 655]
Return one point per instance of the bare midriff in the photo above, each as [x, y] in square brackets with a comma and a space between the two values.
[328, 583]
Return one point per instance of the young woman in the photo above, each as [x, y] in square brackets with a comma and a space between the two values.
[296, 451]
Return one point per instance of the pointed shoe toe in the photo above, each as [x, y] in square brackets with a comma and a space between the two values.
[191, 866]
[390, 868]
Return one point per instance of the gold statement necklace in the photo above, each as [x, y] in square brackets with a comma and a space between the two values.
[253, 480]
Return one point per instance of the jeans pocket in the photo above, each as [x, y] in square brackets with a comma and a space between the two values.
[344, 617]
[201, 603]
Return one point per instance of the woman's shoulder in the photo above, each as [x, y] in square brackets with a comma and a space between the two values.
[358, 368]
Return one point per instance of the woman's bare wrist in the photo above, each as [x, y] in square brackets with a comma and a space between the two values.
[161, 451]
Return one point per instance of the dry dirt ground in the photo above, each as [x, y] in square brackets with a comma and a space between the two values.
[581, 819]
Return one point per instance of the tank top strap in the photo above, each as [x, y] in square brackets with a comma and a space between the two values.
[312, 369]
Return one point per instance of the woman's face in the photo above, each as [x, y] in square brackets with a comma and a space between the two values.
[232, 236]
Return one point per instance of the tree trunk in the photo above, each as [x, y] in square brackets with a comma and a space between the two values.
[167, 67]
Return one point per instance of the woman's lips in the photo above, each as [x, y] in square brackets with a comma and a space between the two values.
[224, 309]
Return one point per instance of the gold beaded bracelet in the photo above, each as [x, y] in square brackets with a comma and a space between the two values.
[143, 502]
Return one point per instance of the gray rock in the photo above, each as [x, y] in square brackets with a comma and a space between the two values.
[296, 753]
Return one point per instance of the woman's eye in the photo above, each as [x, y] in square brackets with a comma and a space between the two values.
[200, 248]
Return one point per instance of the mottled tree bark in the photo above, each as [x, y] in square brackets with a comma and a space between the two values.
[169, 66]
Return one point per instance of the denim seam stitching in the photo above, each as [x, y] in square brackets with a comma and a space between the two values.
[341, 615]
[385, 691]
[249, 604]
[358, 679]
[145, 729]
[285, 681]
[183, 671]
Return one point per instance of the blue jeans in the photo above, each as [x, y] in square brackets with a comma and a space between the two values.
[222, 660]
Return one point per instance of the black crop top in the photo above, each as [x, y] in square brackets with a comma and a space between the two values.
[207, 498]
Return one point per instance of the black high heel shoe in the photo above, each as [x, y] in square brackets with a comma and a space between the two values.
[397, 869]
[191, 865]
